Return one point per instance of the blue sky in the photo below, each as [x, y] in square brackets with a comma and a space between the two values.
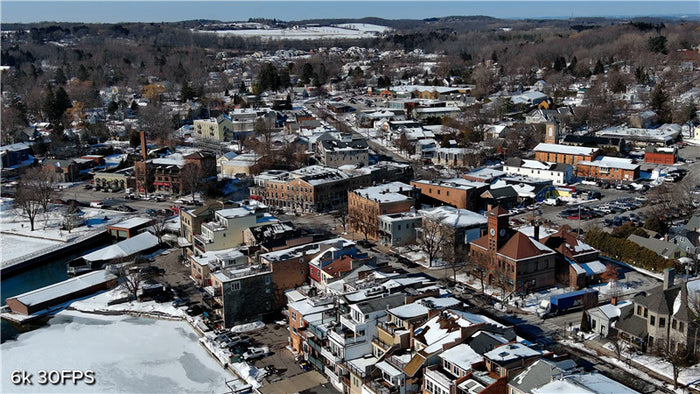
[170, 11]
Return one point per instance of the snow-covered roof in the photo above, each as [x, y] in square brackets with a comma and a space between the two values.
[462, 356]
[611, 162]
[594, 267]
[589, 383]
[455, 183]
[459, 218]
[309, 306]
[362, 363]
[409, 311]
[389, 369]
[125, 248]
[564, 149]
[131, 223]
[230, 213]
[511, 351]
[385, 193]
[65, 288]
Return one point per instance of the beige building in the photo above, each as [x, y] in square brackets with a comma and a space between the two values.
[366, 205]
[308, 189]
[220, 128]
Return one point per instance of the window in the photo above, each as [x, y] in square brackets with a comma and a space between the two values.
[646, 311]
[673, 324]
[681, 326]
[662, 322]
[593, 324]
[235, 286]
[652, 320]
[294, 316]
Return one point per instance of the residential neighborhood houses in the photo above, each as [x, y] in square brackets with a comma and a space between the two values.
[402, 230]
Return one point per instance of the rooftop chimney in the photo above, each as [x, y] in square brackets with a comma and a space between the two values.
[669, 276]
[536, 234]
[143, 144]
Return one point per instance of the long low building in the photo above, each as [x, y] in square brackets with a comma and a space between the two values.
[564, 154]
[610, 168]
[558, 173]
[59, 293]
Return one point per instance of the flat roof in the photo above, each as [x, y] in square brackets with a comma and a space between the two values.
[64, 288]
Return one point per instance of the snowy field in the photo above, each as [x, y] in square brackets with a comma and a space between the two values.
[17, 240]
[15, 246]
[131, 355]
[354, 30]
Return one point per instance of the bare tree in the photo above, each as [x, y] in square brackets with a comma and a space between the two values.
[132, 275]
[363, 226]
[680, 359]
[191, 175]
[34, 193]
[158, 227]
[341, 216]
[431, 237]
[453, 254]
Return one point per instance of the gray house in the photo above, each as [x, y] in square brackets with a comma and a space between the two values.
[604, 317]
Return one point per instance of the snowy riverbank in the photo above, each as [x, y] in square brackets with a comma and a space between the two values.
[128, 354]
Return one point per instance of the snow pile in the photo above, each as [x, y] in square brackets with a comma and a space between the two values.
[248, 327]
[249, 373]
[128, 354]
[101, 303]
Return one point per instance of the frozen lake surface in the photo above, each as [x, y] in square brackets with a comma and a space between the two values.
[128, 355]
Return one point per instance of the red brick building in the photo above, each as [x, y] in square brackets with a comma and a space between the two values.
[555, 153]
[510, 259]
[608, 168]
[658, 155]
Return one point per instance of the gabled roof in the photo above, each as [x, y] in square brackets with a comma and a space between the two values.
[658, 300]
[567, 244]
[520, 247]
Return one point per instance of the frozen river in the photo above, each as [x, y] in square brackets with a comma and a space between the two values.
[127, 354]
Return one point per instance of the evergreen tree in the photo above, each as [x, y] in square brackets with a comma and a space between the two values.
[585, 323]
[598, 69]
[82, 73]
[60, 77]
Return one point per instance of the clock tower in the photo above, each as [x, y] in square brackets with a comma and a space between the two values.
[551, 135]
[497, 227]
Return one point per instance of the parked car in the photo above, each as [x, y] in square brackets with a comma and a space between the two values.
[194, 310]
[178, 302]
[255, 352]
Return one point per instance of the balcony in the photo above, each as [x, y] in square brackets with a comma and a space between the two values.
[318, 364]
[332, 376]
[346, 338]
[381, 345]
[380, 386]
[317, 332]
[389, 328]
[330, 356]
[348, 322]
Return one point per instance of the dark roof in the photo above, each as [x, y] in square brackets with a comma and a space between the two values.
[501, 193]
[536, 375]
[632, 324]
[514, 162]
[658, 300]
[331, 144]
[387, 302]
[520, 246]
[591, 140]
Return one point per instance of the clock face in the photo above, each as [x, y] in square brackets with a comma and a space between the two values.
[502, 232]
[493, 232]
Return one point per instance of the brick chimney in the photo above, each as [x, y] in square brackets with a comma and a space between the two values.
[143, 144]
[669, 277]
[613, 300]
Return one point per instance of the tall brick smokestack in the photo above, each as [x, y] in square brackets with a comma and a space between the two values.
[143, 145]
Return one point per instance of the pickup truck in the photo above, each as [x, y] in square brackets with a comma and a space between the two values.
[255, 352]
